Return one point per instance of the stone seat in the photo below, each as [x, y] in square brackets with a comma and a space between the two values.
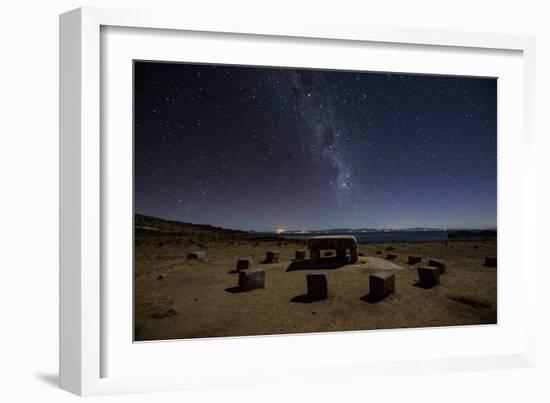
[243, 263]
[414, 259]
[437, 263]
[272, 256]
[317, 286]
[251, 279]
[197, 255]
[381, 285]
[428, 276]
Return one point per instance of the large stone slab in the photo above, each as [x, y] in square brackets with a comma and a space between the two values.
[353, 258]
[341, 253]
[381, 285]
[198, 254]
[332, 242]
[437, 263]
[317, 286]
[251, 279]
[428, 276]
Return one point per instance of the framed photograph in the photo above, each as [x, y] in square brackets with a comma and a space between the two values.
[243, 202]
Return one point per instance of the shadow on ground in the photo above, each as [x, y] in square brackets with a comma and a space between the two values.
[306, 299]
[234, 290]
[327, 263]
[371, 299]
[424, 286]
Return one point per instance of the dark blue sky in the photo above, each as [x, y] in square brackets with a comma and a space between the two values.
[263, 148]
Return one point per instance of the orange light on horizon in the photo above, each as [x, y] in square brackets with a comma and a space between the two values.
[280, 230]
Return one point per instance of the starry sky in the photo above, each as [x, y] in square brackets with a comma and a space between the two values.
[260, 148]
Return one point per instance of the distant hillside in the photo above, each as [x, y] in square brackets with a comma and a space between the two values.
[359, 230]
[143, 223]
[473, 234]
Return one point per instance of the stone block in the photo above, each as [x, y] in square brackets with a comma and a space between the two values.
[381, 285]
[251, 279]
[300, 255]
[272, 257]
[414, 259]
[197, 255]
[428, 276]
[391, 256]
[437, 263]
[317, 286]
[243, 263]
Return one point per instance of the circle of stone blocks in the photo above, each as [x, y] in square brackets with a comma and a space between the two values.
[272, 257]
[243, 263]
[251, 279]
[300, 255]
[491, 261]
[428, 276]
[391, 256]
[317, 285]
[196, 255]
[381, 285]
[437, 263]
[414, 259]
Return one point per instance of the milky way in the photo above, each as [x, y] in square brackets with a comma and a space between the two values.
[261, 148]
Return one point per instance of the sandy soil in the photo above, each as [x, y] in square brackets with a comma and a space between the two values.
[179, 298]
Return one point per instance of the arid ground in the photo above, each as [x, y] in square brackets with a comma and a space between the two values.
[178, 298]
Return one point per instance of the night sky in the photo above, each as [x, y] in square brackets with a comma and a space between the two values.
[258, 148]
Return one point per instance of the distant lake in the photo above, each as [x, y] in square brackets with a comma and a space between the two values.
[376, 237]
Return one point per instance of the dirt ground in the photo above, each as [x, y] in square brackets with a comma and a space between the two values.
[177, 298]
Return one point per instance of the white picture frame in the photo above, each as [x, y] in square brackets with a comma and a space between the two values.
[86, 344]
